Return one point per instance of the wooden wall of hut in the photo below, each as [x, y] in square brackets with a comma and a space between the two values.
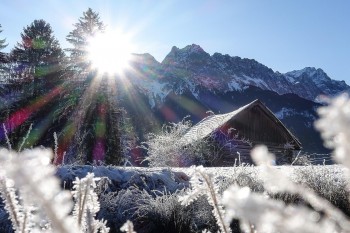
[259, 127]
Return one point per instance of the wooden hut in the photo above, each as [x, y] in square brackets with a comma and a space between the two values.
[233, 135]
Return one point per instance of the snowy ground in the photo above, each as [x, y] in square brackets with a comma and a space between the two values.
[172, 179]
[149, 196]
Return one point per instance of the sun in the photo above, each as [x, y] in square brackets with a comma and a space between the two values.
[110, 52]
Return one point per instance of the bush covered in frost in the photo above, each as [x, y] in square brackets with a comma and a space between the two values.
[171, 148]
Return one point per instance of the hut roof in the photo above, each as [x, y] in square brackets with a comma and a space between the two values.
[211, 123]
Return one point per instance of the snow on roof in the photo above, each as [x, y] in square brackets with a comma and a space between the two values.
[209, 124]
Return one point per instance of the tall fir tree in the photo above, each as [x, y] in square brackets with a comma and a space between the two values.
[88, 25]
[92, 107]
[39, 55]
[3, 57]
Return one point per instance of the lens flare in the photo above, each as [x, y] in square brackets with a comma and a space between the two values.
[110, 52]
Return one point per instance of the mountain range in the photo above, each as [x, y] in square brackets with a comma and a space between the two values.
[189, 81]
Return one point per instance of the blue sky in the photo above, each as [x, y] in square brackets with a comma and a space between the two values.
[283, 35]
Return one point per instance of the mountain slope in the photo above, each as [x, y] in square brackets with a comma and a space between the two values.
[226, 73]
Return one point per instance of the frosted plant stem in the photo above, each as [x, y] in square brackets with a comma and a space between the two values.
[7, 137]
[56, 147]
[24, 222]
[239, 158]
[86, 204]
[296, 158]
[25, 138]
[9, 195]
[90, 225]
[222, 224]
[82, 205]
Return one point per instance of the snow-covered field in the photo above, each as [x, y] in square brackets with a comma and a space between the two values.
[149, 196]
[171, 179]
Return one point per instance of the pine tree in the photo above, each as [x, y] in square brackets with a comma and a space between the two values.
[87, 27]
[93, 110]
[36, 64]
[2, 46]
[3, 58]
[40, 55]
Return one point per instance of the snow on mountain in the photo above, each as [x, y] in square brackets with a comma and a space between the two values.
[155, 91]
[287, 112]
[311, 83]
[192, 69]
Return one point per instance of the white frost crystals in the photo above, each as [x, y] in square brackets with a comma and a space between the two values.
[87, 205]
[201, 183]
[128, 227]
[35, 201]
[261, 213]
[257, 213]
[30, 172]
[334, 127]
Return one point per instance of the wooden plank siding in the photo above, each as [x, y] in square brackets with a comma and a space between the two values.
[253, 124]
[256, 126]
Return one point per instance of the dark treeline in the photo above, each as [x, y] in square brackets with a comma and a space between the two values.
[49, 96]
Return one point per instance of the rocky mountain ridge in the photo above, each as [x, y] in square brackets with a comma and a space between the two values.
[192, 68]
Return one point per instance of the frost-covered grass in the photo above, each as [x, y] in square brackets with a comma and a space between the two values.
[149, 196]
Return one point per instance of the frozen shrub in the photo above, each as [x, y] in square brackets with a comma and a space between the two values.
[243, 176]
[35, 201]
[334, 127]
[202, 217]
[118, 207]
[202, 184]
[170, 149]
[163, 213]
[166, 149]
[301, 160]
[329, 184]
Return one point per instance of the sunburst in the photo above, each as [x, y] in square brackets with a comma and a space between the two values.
[110, 52]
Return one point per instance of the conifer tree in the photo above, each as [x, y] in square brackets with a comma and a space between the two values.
[39, 54]
[93, 111]
[88, 25]
[2, 46]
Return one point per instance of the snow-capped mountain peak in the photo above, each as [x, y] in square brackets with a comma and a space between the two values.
[191, 68]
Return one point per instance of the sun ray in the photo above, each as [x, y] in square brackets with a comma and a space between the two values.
[78, 118]
[20, 116]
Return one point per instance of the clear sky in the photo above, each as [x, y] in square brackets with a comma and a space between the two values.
[283, 35]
